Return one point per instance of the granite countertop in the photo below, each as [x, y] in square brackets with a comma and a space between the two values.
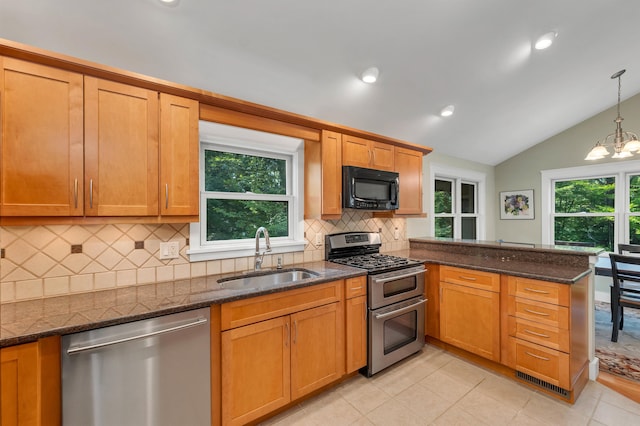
[26, 321]
[564, 274]
[22, 322]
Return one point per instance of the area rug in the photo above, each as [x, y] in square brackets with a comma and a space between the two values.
[621, 358]
[620, 365]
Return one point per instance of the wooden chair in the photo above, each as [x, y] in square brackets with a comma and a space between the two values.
[624, 269]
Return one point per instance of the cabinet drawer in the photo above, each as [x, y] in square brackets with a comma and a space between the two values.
[534, 332]
[545, 313]
[546, 364]
[477, 279]
[543, 291]
[260, 308]
[354, 287]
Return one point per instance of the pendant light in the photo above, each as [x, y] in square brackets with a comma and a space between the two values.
[624, 144]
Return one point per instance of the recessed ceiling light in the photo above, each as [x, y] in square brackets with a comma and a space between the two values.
[370, 75]
[447, 111]
[169, 2]
[545, 40]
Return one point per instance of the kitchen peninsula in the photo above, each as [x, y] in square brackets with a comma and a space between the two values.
[524, 310]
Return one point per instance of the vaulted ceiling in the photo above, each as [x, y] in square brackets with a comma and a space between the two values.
[306, 57]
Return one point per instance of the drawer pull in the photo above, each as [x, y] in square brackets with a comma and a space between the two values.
[544, 314]
[533, 290]
[356, 288]
[468, 278]
[536, 334]
[537, 356]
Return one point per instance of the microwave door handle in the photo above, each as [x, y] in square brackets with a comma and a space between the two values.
[397, 277]
[395, 192]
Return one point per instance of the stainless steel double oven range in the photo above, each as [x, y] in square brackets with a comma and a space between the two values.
[395, 297]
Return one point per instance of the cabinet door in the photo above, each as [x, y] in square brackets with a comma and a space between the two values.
[355, 151]
[317, 348]
[41, 158]
[331, 173]
[255, 370]
[30, 383]
[408, 164]
[179, 145]
[382, 156]
[356, 333]
[470, 319]
[121, 149]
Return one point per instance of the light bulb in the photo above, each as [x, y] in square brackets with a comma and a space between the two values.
[545, 40]
[370, 75]
[447, 111]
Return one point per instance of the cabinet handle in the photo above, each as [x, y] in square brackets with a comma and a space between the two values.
[462, 277]
[295, 331]
[286, 340]
[537, 356]
[90, 193]
[536, 334]
[356, 288]
[75, 193]
[544, 314]
[533, 290]
[166, 196]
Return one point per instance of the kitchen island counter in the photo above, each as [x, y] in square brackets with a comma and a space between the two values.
[27, 321]
[560, 264]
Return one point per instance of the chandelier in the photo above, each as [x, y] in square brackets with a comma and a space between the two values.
[623, 143]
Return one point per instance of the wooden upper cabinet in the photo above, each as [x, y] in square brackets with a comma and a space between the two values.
[179, 145]
[41, 143]
[331, 173]
[121, 149]
[408, 163]
[365, 153]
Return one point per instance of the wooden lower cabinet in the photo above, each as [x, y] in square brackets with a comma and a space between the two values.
[271, 362]
[356, 323]
[256, 370]
[30, 383]
[470, 311]
[547, 331]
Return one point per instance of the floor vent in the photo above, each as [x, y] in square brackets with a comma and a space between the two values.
[541, 383]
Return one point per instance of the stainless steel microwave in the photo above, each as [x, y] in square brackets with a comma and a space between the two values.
[368, 189]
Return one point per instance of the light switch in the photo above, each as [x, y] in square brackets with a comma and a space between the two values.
[318, 239]
[170, 250]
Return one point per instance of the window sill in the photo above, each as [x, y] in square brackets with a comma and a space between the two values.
[199, 254]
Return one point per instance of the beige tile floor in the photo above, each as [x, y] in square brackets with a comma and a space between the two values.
[437, 388]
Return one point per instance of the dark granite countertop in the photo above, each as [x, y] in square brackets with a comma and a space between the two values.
[26, 321]
[22, 322]
[561, 264]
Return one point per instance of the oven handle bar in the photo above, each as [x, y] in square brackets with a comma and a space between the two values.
[398, 277]
[401, 310]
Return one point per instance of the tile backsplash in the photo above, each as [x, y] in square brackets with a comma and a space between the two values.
[43, 261]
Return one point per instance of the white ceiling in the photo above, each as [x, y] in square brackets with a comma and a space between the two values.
[305, 57]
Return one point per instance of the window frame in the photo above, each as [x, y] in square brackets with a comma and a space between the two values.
[252, 142]
[621, 171]
[458, 177]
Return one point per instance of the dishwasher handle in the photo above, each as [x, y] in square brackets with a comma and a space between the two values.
[74, 351]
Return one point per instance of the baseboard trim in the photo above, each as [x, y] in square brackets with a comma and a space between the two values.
[594, 368]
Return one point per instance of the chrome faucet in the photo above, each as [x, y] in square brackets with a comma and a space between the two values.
[260, 257]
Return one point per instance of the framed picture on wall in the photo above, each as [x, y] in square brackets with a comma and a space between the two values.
[516, 204]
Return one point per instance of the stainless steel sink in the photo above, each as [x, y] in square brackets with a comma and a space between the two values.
[266, 279]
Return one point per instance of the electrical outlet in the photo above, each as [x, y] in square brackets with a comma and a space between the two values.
[318, 239]
[396, 234]
[170, 250]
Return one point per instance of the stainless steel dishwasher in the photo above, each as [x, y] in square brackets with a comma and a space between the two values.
[150, 372]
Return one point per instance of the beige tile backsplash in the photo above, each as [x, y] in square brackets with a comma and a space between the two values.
[38, 261]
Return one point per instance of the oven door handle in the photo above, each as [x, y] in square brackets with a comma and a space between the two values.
[398, 277]
[401, 310]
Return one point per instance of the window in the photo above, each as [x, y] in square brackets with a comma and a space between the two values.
[456, 205]
[248, 179]
[595, 206]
